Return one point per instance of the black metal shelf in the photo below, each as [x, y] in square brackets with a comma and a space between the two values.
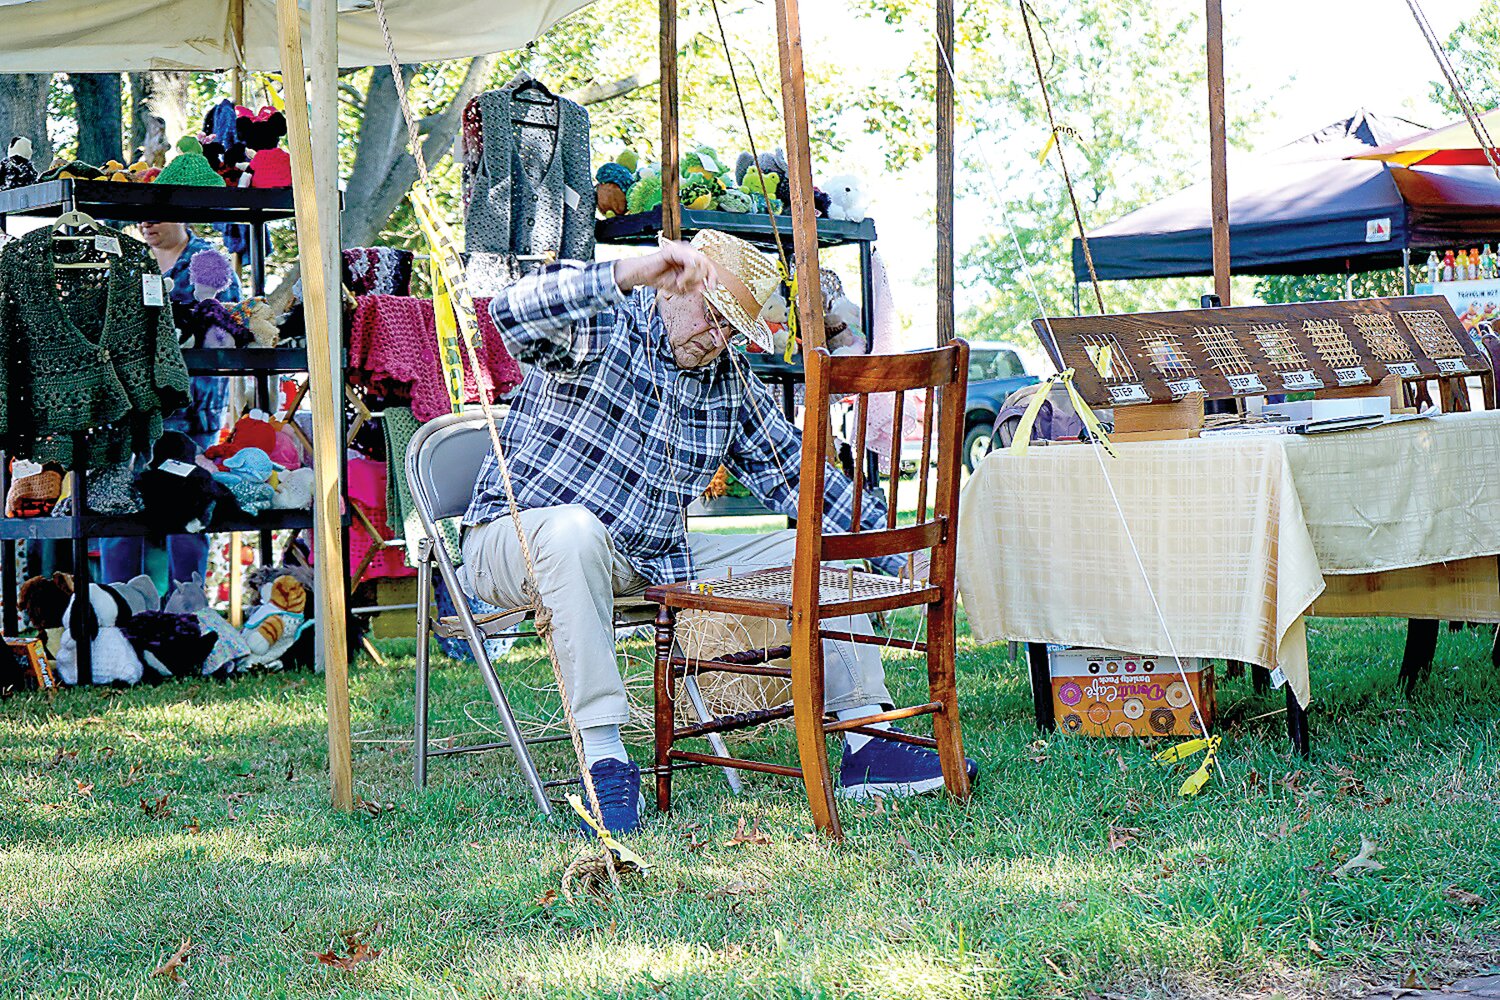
[244, 360]
[132, 202]
[129, 525]
[641, 229]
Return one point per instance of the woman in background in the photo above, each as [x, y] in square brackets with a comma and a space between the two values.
[174, 244]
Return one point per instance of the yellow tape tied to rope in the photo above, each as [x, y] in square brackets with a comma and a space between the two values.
[1182, 751]
[1085, 413]
[452, 305]
[623, 854]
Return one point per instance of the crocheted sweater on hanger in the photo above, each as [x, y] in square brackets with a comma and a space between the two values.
[81, 351]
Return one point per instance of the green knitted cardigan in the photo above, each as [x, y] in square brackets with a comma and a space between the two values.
[81, 351]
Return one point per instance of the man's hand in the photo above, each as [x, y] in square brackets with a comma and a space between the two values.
[675, 268]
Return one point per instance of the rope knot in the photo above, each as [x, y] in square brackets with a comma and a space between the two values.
[543, 615]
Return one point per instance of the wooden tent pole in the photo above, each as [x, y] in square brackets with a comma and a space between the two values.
[945, 156]
[671, 204]
[799, 166]
[332, 643]
[1219, 182]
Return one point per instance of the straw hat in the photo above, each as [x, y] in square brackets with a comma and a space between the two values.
[747, 280]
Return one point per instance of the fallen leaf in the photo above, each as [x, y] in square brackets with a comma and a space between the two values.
[62, 755]
[1069, 906]
[1120, 836]
[289, 776]
[370, 806]
[358, 955]
[158, 809]
[754, 836]
[1363, 861]
[1035, 752]
[1313, 947]
[1053, 966]
[172, 966]
[85, 789]
[1119, 759]
[361, 934]
[1463, 897]
[1252, 779]
[194, 826]
[546, 899]
[133, 777]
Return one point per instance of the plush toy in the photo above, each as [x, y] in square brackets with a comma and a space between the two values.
[255, 315]
[210, 273]
[736, 201]
[272, 627]
[253, 430]
[251, 476]
[821, 202]
[190, 166]
[141, 172]
[178, 494]
[847, 199]
[261, 131]
[762, 187]
[702, 160]
[16, 170]
[113, 659]
[34, 488]
[645, 194]
[294, 490]
[44, 601]
[209, 323]
[698, 191]
[221, 141]
[229, 650]
[614, 184]
[768, 163]
[76, 169]
[629, 159]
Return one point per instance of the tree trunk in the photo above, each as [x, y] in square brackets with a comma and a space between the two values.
[162, 95]
[100, 127]
[23, 111]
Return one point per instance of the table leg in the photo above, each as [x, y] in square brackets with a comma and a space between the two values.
[1296, 724]
[1260, 679]
[1421, 644]
[1041, 685]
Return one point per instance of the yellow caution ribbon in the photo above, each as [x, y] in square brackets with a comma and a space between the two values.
[1182, 751]
[624, 855]
[790, 281]
[1085, 413]
[452, 304]
[1047, 149]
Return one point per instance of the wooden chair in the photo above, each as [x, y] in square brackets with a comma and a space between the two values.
[810, 591]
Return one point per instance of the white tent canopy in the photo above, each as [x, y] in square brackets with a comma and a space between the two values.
[108, 36]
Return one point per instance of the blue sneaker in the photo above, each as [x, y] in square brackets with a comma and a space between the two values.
[617, 783]
[885, 767]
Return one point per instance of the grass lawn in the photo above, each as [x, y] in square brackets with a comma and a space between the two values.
[132, 821]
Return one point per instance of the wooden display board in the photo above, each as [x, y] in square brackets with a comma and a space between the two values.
[1163, 357]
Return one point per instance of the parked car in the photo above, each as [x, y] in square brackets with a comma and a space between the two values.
[995, 371]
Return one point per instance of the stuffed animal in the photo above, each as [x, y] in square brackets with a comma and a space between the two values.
[273, 626]
[44, 601]
[251, 476]
[698, 191]
[821, 202]
[113, 659]
[261, 131]
[702, 160]
[846, 199]
[629, 159]
[229, 651]
[190, 166]
[762, 187]
[255, 315]
[645, 194]
[210, 273]
[16, 170]
[221, 141]
[736, 201]
[768, 164]
[294, 490]
[251, 431]
[178, 494]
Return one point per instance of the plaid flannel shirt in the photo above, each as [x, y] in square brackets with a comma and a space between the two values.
[606, 419]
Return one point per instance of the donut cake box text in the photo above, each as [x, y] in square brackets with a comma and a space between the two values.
[1105, 692]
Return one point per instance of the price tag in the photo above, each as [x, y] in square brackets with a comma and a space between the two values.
[571, 197]
[151, 289]
[177, 468]
[107, 244]
[710, 164]
[1278, 678]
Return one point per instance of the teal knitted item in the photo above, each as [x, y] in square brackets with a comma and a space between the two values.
[401, 510]
[92, 358]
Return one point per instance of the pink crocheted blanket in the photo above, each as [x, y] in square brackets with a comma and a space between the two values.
[393, 350]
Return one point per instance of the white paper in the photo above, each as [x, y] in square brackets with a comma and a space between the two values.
[177, 468]
[571, 197]
[107, 244]
[151, 289]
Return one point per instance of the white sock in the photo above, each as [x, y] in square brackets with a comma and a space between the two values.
[856, 741]
[600, 742]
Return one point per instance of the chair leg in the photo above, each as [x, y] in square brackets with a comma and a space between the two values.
[424, 623]
[812, 740]
[942, 684]
[666, 711]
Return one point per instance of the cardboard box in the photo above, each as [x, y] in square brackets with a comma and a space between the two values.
[1104, 692]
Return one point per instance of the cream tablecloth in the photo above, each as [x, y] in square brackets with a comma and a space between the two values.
[1236, 536]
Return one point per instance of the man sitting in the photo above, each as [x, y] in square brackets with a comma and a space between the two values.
[630, 406]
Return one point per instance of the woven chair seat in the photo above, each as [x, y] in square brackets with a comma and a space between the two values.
[773, 589]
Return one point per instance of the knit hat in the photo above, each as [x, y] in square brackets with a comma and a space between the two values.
[747, 280]
[190, 167]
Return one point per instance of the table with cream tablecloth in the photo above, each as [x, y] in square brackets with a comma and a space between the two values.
[1240, 538]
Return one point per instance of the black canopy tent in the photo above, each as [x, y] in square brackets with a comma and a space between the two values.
[1304, 209]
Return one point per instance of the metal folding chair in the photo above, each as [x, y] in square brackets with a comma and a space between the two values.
[442, 465]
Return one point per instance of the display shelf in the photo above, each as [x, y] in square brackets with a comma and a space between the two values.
[244, 360]
[641, 229]
[132, 202]
[728, 507]
[771, 366]
[128, 525]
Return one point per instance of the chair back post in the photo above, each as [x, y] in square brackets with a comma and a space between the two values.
[953, 398]
[807, 560]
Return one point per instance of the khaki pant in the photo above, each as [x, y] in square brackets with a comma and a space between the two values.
[579, 574]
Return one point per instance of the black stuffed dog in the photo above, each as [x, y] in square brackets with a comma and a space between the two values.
[179, 494]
